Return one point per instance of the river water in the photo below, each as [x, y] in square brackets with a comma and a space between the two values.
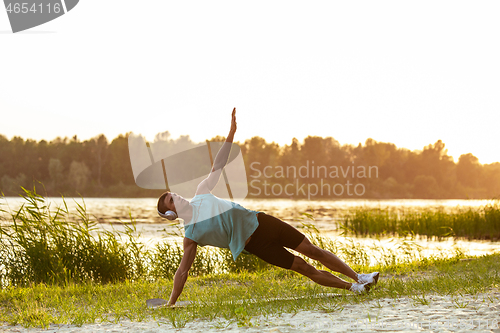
[151, 229]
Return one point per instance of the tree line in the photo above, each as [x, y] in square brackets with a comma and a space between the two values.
[378, 170]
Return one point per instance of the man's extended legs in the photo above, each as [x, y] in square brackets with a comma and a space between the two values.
[323, 278]
[328, 259]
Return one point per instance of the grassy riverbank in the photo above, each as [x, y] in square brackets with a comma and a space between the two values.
[57, 268]
[217, 296]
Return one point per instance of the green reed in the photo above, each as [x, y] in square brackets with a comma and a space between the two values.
[471, 223]
[38, 244]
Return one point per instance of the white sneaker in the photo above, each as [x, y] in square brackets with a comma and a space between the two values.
[368, 278]
[360, 288]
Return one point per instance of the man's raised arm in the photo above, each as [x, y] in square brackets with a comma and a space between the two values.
[208, 184]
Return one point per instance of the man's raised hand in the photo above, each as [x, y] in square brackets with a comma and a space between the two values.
[233, 121]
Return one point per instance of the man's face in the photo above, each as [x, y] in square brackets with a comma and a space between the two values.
[175, 202]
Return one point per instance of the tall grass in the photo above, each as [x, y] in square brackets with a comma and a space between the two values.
[472, 223]
[38, 244]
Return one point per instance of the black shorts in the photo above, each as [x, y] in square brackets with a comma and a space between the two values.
[269, 240]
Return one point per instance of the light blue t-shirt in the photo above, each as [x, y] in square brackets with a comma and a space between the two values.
[221, 223]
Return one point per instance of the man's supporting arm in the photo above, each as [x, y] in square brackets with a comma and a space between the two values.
[181, 275]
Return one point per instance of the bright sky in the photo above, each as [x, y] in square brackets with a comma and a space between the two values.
[410, 73]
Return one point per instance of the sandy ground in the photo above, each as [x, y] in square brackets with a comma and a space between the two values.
[477, 313]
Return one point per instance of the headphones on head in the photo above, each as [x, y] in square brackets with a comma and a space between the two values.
[169, 214]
